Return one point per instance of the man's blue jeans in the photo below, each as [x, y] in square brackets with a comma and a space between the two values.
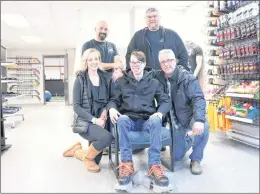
[152, 125]
[183, 143]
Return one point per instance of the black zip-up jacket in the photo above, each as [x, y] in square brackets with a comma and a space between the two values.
[136, 98]
[171, 40]
[188, 97]
[82, 98]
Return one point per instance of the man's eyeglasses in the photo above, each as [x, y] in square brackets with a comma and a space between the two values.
[167, 61]
[152, 16]
[136, 63]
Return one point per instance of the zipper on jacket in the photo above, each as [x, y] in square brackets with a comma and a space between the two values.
[172, 116]
[151, 50]
[151, 47]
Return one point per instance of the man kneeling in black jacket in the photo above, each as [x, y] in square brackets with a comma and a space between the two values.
[134, 94]
[189, 107]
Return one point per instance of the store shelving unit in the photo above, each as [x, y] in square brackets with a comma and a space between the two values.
[6, 96]
[238, 31]
[4, 146]
[27, 71]
[212, 79]
[238, 95]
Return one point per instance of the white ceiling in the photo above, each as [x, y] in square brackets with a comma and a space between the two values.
[62, 24]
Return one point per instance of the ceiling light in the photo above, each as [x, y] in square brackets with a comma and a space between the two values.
[31, 39]
[15, 20]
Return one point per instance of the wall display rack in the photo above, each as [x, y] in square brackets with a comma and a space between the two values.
[237, 64]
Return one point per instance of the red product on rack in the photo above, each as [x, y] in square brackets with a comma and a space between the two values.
[218, 36]
[224, 34]
[228, 34]
[232, 33]
[246, 50]
[238, 53]
[221, 54]
[242, 50]
[228, 54]
[233, 54]
[255, 48]
[237, 32]
[250, 49]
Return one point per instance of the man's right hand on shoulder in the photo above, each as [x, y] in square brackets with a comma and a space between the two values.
[114, 115]
[117, 74]
[118, 65]
[119, 62]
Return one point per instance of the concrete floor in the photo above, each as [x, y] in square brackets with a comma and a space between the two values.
[35, 162]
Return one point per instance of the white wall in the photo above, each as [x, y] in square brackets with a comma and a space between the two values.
[71, 77]
[193, 23]
[194, 18]
[121, 36]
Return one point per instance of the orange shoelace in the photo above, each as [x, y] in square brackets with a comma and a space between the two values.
[158, 171]
[125, 169]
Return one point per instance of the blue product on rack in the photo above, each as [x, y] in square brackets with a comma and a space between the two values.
[253, 114]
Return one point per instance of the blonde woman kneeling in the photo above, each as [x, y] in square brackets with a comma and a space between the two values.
[90, 97]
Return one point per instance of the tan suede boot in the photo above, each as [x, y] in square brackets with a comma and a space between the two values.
[89, 161]
[71, 151]
[80, 154]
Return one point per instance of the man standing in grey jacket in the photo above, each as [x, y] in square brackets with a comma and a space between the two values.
[154, 38]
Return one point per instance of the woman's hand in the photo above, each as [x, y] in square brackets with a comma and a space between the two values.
[100, 122]
[104, 115]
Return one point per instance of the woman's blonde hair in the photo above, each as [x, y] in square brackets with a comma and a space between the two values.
[85, 56]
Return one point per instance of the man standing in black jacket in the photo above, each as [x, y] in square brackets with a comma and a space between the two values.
[132, 107]
[189, 107]
[154, 38]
